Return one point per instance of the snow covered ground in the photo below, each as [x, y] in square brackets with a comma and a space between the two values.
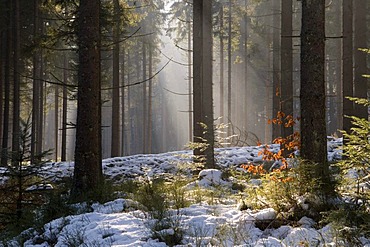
[117, 223]
[148, 165]
[203, 225]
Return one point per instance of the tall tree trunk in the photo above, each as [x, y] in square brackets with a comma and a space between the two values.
[123, 113]
[202, 79]
[246, 84]
[56, 122]
[129, 115]
[165, 125]
[313, 125]
[207, 82]
[150, 89]
[115, 135]
[40, 122]
[286, 99]
[338, 74]
[16, 82]
[268, 86]
[41, 64]
[222, 59]
[88, 177]
[16, 135]
[64, 110]
[2, 78]
[144, 120]
[360, 41]
[197, 73]
[190, 99]
[36, 82]
[138, 129]
[276, 130]
[229, 113]
[7, 70]
[38, 89]
[347, 64]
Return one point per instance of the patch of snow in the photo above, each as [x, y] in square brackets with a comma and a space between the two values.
[210, 177]
[40, 187]
[282, 232]
[301, 201]
[115, 206]
[265, 214]
[268, 242]
[306, 222]
[303, 237]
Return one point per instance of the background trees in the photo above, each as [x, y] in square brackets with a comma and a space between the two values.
[99, 79]
[147, 105]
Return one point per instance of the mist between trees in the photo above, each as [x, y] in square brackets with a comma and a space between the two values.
[146, 71]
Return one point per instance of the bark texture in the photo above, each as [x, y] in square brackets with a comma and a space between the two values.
[313, 124]
[276, 130]
[347, 63]
[360, 41]
[115, 134]
[286, 93]
[88, 178]
[202, 79]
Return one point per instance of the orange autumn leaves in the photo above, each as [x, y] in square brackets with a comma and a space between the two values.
[254, 169]
[288, 145]
[282, 118]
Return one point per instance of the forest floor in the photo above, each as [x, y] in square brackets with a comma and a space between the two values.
[207, 210]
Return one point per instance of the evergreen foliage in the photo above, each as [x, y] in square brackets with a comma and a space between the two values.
[352, 216]
[355, 169]
[23, 190]
[156, 197]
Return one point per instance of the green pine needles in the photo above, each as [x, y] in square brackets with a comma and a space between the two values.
[355, 165]
[351, 219]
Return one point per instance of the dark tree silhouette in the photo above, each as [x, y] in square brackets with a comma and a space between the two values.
[347, 56]
[286, 62]
[115, 137]
[7, 72]
[88, 177]
[313, 124]
[16, 81]
[360, 41]
[202, 79]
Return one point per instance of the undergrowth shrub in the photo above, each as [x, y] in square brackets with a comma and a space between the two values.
[349, 223]
[165, 223]
[220, 140]
[237, 234]
[169, 230]
[25, 189]
[288, 192]
[151, 194]
[56, 206]
[127, 188]
[352, 216]
[177, 194]
[288, 185]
